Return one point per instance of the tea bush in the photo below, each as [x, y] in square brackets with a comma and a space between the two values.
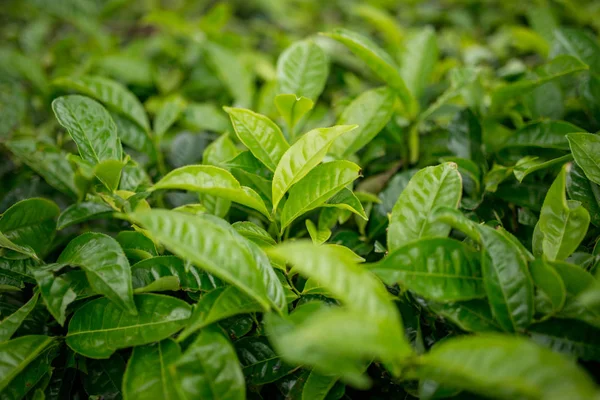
[299, 199]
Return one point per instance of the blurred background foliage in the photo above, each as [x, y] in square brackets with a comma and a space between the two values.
[207, 54]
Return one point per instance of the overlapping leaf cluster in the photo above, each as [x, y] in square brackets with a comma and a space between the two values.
[299, 200]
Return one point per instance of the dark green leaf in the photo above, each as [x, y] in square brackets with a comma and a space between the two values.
[150, 372]
[105, 264]
[99, 328]
[507, 281]
[440, 269]
[10, 324]
[221, 303]
[209, 369]
[585, 148]
[90, 126]
[111, 93]
[30, 224]
[81, 212]
[25, 361]
[260, 363]
[104, 378]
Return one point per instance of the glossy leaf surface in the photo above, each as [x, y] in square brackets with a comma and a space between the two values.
[302, 70]
[210, 244]
[507, 281]
[99, 328]
[214, 181]
[105, 264]
[429, 188]
[302, 157]
[316, 187]
[260, 135]
[149, 371]
[439, 269]
[481, 364]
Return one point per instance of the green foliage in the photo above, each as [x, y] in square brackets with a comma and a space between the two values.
[299, 200]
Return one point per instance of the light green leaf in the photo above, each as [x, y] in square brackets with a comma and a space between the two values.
[563, 223]
[440, 269]
[345, 199]
[149, 372]
[260, 237]
[136, 245]
[418, 60]
[345, 253]
[215, 181]
[221, 303]
[99, 328]
[105, 264]
[205, 116]
[577, 43]
[507, 367]
[260, 135]
[10, 324]
[318, 236]
[431, 187]
[577, 281]
[507, 281]
[371, 111]
[219, 151]
[586, 150]
[357, 288]
[91, 127]
[378, 61]
[302, 70]
[292, 108]
[302, 157]
[25, 361]
[194, 209]
[334, 340]
[111, 93]
[209, 369]
[316, 187]
[213, 245]
[168, 114]
[160, 284]
[457, 220]
[214, 205]
[29, 224]
[530, 164]
[254, 233]
[233, 73]
[109, 173]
